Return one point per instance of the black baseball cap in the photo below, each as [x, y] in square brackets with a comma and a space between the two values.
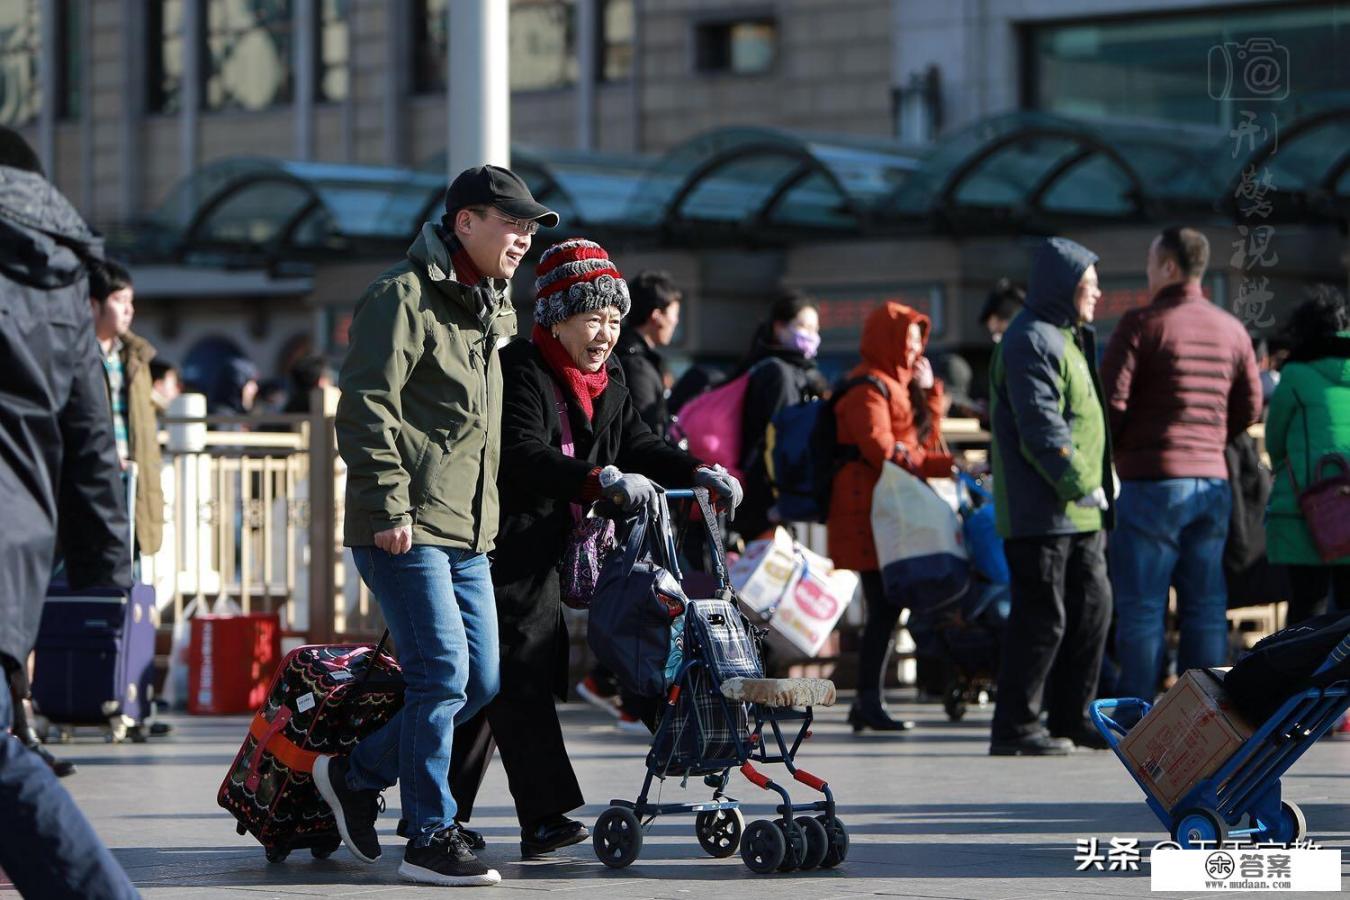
[502, 188]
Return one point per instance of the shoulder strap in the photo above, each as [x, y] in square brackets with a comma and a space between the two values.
[568, 445]
[714, 534]
[851, 383]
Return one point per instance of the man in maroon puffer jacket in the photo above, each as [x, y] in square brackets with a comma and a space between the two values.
[1181, 381]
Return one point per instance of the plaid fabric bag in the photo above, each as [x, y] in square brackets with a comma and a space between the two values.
[722, 638]
[702, 728]
[699, 730]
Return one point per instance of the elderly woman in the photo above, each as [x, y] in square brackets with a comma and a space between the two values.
[564, 370]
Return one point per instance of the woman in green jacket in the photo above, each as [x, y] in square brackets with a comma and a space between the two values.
[1309, 418]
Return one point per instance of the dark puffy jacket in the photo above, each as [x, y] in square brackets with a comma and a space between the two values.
[59, 471]
[538, 485]
[1051, 445]
[644, 371]
[1181, 382]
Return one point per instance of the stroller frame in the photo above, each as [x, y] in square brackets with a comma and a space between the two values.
[791, 841]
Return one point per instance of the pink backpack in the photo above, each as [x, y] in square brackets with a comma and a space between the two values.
[711, 423]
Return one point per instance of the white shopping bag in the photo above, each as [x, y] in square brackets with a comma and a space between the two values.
[765, 571]
[919, 542]
[812, 604]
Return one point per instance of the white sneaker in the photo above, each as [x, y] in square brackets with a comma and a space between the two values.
[589, 691]
[631, 724]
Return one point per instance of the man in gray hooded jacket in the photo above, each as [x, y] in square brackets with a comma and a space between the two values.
[1052, 479]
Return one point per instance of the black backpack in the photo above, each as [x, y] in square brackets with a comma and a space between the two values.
[1283, 664]
[803, 453]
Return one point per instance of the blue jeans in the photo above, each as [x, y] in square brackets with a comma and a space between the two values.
[1169, 532]
[439, 606]
[49, 848]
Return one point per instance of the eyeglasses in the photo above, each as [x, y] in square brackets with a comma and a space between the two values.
[519, 226]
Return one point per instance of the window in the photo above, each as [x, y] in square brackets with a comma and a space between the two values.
[543, 44]
[247, 63]
[543, 52]
[334, 50]
[20, 49]
[616, 40]
[164, 67]
[431, 45]
[70, 52]
[1198, 69]
[741, 47]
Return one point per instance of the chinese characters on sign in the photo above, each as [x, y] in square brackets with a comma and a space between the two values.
[1254, 250]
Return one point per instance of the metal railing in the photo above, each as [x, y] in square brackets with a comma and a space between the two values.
[253, 523]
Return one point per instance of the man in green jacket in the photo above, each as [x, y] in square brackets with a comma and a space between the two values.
[418, 425]
[1052, 480]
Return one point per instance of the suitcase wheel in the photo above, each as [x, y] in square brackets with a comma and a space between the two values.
[137, 734]
[240, 828]
[277, 854]
[325, 851]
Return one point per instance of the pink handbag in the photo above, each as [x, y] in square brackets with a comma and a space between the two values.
[1325, 503]
[592, 537]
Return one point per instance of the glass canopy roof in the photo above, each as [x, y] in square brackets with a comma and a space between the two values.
[1009, 170]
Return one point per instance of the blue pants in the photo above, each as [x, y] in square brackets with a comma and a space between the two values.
[1169, 532]
[439, 606]
[49, 849]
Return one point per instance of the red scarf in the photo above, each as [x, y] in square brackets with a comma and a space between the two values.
[466, 273]
[583, 386]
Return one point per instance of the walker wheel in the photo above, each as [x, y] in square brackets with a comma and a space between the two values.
[817, 842]
[1293, 824]
[794, 841]
[719, 831]
[838, 851]
[1199, 826]
[618, 837]
[763, 847]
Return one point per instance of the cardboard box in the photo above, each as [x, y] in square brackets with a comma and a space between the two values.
[1188, 735]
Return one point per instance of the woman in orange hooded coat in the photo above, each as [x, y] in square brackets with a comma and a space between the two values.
[903, 425]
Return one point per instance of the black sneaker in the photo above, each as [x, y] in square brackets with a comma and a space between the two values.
[446, 860]
[1087, 738]
[355, 811]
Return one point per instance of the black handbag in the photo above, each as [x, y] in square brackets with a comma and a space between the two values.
[637, 598]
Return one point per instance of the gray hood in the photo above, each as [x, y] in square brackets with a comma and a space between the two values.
[42, 237]
[1056, 269]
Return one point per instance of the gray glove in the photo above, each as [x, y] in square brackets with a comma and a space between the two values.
[632, 492]
[1095, 500]
[722, 483]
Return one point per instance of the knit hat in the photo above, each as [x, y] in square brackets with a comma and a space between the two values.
[576, 276]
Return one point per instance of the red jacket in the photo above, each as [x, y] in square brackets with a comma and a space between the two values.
[1180, 381]
[875, 424]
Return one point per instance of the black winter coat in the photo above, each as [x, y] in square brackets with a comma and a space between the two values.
[537, 485]
[644, 373]
[59, 471]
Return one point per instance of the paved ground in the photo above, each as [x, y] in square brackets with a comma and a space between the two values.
[930, 814]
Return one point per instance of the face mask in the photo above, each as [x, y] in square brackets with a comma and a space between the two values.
[804, 341]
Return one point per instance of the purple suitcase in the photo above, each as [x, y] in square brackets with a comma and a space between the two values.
[95, 657]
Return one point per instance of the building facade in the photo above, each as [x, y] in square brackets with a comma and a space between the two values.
[125, 99]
